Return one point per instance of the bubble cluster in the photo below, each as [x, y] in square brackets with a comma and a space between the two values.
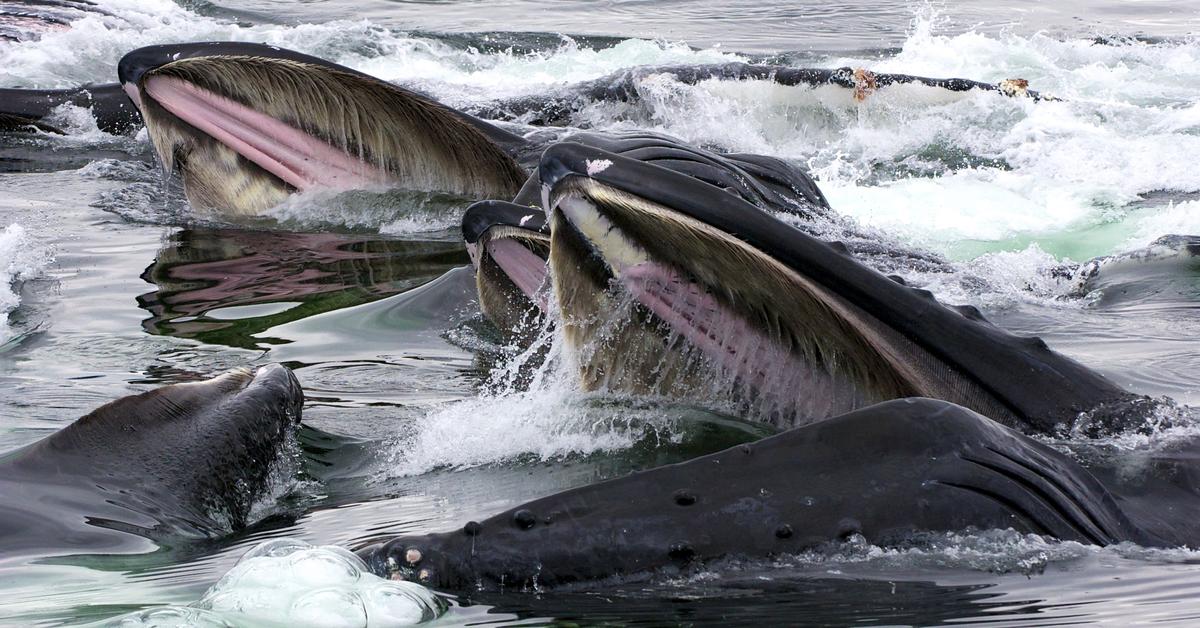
[290, 583]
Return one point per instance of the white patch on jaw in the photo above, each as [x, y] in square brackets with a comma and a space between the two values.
[597, 166]
[619, 251]
[473, 253]
[546, 197]
[525, 219]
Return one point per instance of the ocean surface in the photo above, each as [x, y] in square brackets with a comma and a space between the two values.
[110, 285]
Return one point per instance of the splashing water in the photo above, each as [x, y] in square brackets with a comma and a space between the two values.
[290, 583]
[21, 259]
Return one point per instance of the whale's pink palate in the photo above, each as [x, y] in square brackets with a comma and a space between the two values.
[521, 266]
[779, 380]
[301, 160]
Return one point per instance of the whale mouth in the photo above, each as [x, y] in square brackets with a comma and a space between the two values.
[294, 156]
[509, 245]
[247, 128]
[669, 285]
[521, 258]
[657, 302]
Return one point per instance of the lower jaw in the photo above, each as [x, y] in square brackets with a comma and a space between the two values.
[701, 348]
[653, 333]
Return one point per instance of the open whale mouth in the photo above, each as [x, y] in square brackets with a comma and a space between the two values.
[662, 303]
[247, 125]
[509, 245]
[650, 266]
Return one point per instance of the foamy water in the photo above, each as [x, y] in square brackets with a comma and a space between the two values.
[289, 583]
[21, 259]
[962, 175]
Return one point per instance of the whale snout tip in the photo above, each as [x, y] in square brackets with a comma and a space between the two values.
[137, 63]
[281, 378]
[273, 370]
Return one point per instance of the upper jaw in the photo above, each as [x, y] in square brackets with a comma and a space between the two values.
[482, 217]
[566, 163]
[134, 65]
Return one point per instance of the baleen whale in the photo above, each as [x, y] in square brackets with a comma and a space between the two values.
[184, 461]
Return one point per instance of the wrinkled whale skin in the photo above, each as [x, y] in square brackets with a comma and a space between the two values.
[883, 472]
[181, 461]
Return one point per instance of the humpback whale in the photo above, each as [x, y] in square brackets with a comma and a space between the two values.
[881, 473]
[184, 461]
[509, 242]
[760, 300]
[670, 267]
[664, 280]
[247, 124]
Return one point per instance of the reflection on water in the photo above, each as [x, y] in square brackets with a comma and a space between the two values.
[202, 275]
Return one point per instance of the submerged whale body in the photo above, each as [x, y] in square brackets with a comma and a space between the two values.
[882, 473]
[185, 461]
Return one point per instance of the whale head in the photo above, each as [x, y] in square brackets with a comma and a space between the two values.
[246, 125]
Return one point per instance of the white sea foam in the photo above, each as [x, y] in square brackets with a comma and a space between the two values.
[90, 50]
[532, 407]
[930, 169]
[291, 584]
[21, 259]
[1175, 218]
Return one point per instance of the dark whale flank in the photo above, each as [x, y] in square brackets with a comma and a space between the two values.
[883, 473]
[181, 461]
[558, 106]
[21, 109]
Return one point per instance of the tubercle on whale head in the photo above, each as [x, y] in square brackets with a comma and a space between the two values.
[458, 560]
[430, 560]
